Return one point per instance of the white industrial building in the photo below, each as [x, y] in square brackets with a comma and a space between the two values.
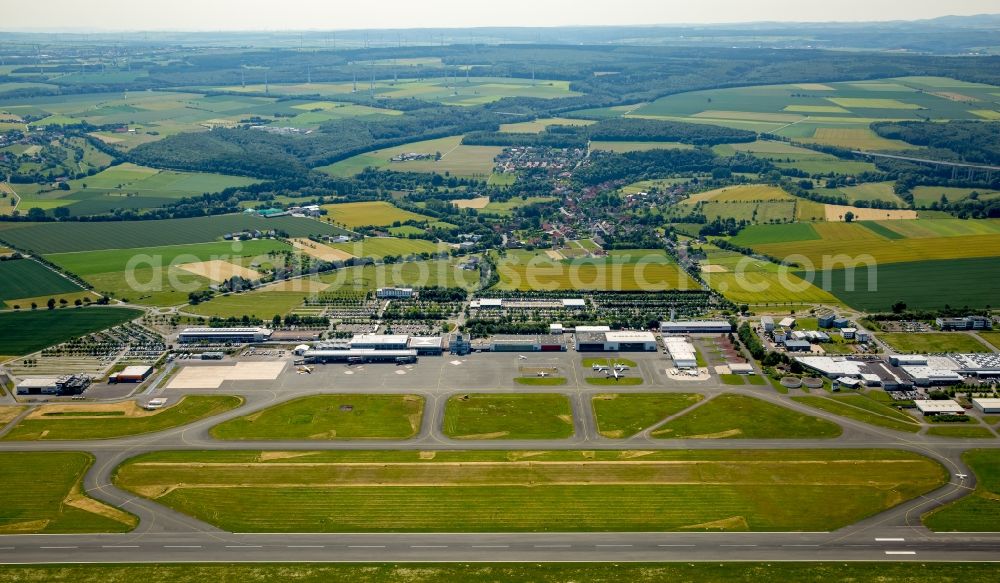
[787, 323]
[681, 351]
[696, 327]
[988, 406]
[945, 407]
[908, 360]
[927, 376]
[224, 335]
[527, 343]
[743, 368]
[767, 322]
[616, 341]
[426, 345]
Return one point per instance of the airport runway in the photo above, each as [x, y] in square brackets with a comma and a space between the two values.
[167, 535]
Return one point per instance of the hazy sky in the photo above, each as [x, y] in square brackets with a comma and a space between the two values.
[341, 14]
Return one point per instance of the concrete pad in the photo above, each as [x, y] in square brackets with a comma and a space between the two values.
[212, 377]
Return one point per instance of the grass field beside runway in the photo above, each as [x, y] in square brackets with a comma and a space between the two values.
[529, 491]
[42, 494]
[330, 417]
[499, 416]
[85, 421]
[979, 511]
[620, 415]
[27, 331]
[740, 417]
[743, 572]
[861, 408]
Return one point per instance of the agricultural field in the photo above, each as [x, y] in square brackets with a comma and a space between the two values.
[500, 416]
[743, 279]
[507, 207]
[470, 91]
[125, 186]
[620, 415]
[785, 155]
[919, 284]
[540, 125]
[738, 417]
[979, 511]
[368, 214]
[863, 409]
[439, 273]
[456, 159]
[869, 191]
[29, 331]
[326, 417]
[824, 245]
[933, 342]
[165, 275]
[525, 491]
[624, 146]
[634, 269]
[263, 304]
[925, 196]
[25, 279]
[748, 193]
[43, 494]
[837, 115]
[379, 247]
[107, 421]
[48, 238]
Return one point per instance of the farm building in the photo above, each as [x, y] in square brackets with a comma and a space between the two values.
[681, 351]
[926, 376]
[379, 342]
[426, 345]
[395, 293]
[616, 341]
[224, 335]
[988, 406]
[945, 407]
[696, 327]
[767, 322]
[131, 374]
[529, 343]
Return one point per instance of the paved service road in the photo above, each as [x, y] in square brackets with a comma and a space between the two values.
[166, 535]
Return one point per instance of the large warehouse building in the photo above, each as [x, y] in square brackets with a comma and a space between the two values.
[224, 335]
[681, 351]
[527, 343]
[616, 341]
[696, 327]
[379, 342]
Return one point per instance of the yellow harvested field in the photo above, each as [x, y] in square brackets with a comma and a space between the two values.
[990, 114]
[808, 210]
[871, 103]
[373, 213]
[749, 116]
[555, 255]
[218, 271]
[855, 138]
[472, 203]
[952, 96]
[814, 87]
[837, 213]
[320, 251]
[8, 413]
[539, 125]
[750, 193]
[713, 268]
[832, 254]
[212, 377]
[815, 109]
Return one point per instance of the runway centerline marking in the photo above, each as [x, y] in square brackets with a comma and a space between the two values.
[119, 546]
[675, 545]
[491, 546]
[901, 552]
[366, 546]
[244, 546]
[612, 545]
[306, 547]
[48, 548]
[182, 546]
[890, 540]
[428, 546]
[553, 546]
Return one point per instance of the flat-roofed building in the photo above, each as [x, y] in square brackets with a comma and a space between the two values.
[131, 374]
[798, 345]
[767, 322]
[224, 335]
[987, 405]
[616, 341]
[944, 407]
[394, 293]
[380, 341]
[787, 322]
[360, 355]
[908, 360]
[527, 343]
[696, 327]
[426, 345]
[681, 351]
[927, 376]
